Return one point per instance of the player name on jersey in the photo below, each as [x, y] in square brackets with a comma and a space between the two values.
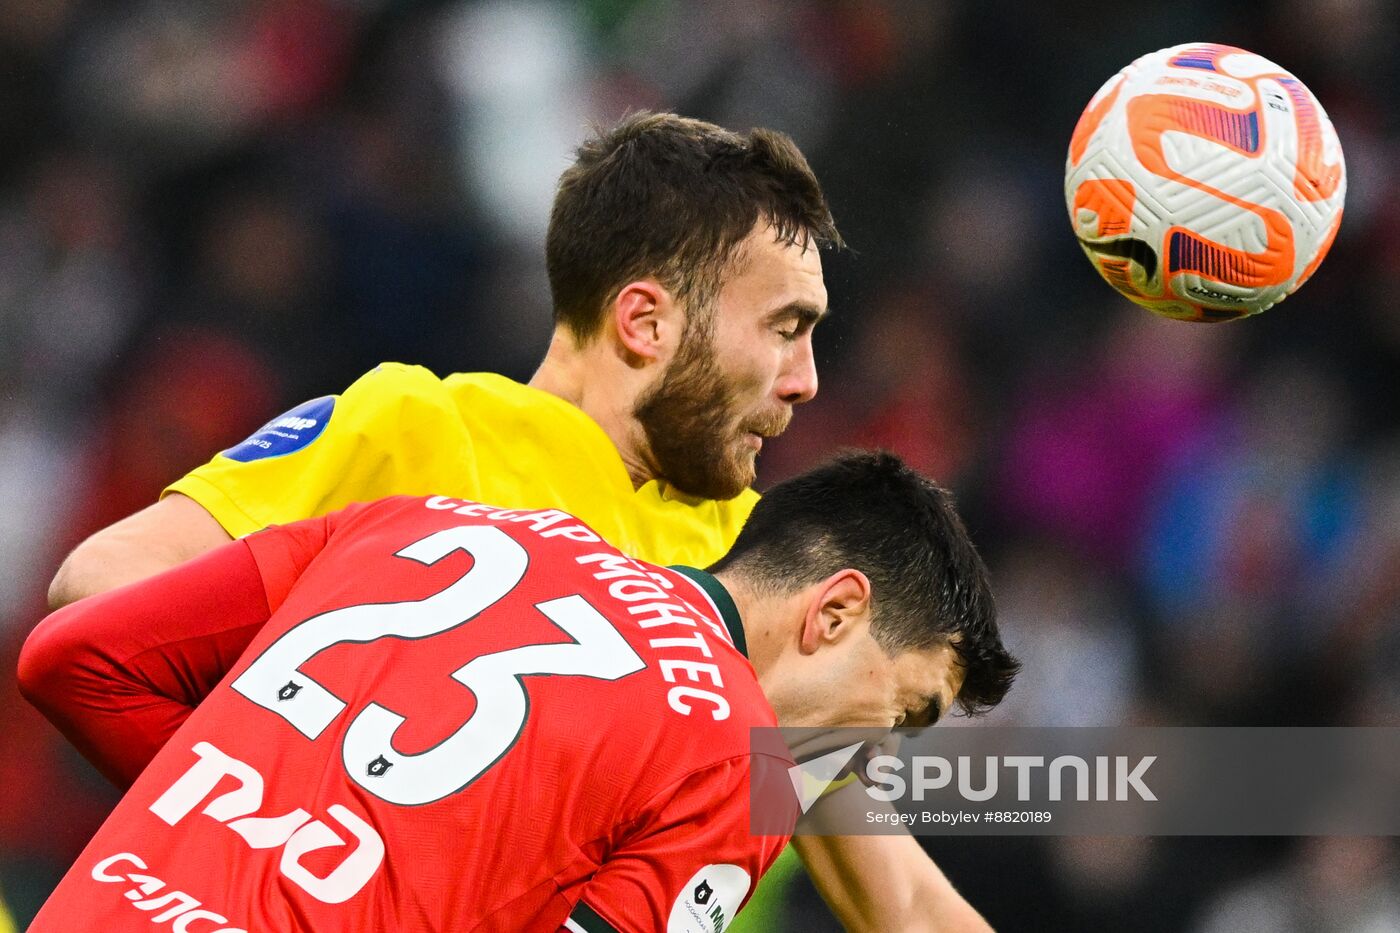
[648, 597]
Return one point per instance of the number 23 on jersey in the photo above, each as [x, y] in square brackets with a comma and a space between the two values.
[277, 682]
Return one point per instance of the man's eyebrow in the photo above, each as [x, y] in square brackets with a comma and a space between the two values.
[805, 312]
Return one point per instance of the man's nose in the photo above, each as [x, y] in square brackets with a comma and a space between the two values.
[798, 382]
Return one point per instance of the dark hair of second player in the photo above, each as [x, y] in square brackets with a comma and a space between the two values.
[871, 512]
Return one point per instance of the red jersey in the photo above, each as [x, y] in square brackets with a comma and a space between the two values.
[418, 714]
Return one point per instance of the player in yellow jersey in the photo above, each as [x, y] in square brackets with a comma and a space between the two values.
[686, 280]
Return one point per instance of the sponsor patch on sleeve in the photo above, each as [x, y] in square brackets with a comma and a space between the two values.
[709, 900]
[287, 433]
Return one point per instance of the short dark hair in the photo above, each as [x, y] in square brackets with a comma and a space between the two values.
[671, 197]
[868, 511]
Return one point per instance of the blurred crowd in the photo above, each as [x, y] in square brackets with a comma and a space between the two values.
[213, 209]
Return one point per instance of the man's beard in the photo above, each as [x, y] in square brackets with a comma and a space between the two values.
[691, 428]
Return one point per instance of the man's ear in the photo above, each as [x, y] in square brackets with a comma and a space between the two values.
[647, 322]
[839, 608]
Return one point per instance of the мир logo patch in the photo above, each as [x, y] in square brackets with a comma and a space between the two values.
[287, 433]
[709, 900]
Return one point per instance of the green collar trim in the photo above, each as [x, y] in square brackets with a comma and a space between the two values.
[728, 612]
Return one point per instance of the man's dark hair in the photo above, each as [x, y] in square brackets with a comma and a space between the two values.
[870, 512]
[670, 197]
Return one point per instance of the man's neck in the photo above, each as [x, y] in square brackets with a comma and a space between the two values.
[753, 610]
[585, 378]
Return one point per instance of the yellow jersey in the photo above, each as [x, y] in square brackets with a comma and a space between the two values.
[401, 430]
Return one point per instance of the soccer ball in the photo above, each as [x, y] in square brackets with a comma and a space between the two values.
[1205, 182]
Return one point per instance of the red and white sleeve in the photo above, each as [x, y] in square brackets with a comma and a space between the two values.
[119, 672]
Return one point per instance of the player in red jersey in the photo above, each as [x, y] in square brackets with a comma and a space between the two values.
[430, 714]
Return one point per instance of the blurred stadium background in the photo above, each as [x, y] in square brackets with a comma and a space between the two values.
[212, 209]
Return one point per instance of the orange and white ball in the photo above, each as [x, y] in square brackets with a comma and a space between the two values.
[1204, 182]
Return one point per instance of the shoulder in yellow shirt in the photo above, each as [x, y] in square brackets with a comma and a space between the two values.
[400, 430]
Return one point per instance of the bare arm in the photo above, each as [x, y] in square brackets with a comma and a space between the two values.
[882, 883]
[158, 537]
